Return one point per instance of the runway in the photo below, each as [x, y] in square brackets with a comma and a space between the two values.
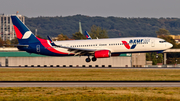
[90, 84]
[99, 67]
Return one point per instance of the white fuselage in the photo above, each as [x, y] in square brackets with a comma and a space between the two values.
[118, 45]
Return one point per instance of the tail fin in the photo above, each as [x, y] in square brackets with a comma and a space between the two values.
[23, 34]
[87, 35]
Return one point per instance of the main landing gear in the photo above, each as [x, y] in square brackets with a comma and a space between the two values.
[93, 59]
[88, 59]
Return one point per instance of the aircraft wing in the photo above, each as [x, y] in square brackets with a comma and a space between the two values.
[78, 51]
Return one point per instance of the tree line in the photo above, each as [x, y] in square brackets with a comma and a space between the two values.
[96, 32]
[8, 43]
[115, 26]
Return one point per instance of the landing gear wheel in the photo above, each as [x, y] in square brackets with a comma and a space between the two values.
[88, 59]
[94, 59]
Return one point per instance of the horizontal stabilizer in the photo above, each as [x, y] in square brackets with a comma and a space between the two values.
[16, 45]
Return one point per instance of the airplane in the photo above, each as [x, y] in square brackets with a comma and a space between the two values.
[87, 35]
[97, 48]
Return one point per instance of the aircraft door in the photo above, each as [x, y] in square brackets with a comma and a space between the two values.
[38, 48]
[152, 43]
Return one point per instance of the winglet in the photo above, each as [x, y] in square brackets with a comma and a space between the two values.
[49, 38]
[52, 43]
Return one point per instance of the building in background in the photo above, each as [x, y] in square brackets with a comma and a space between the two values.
[176, 38]
[14, 57]
[6, 27]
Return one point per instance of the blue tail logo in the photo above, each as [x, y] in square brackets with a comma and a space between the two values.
[87, 35]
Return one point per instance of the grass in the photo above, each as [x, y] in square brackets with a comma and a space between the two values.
[78, 74]
[90, 94]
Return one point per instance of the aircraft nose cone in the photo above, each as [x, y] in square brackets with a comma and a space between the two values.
[170, 45]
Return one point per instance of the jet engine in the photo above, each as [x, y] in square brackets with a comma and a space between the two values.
[102, 54]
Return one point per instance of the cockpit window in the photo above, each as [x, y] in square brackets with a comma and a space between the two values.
[162, 41]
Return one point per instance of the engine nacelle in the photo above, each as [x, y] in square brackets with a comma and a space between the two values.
[102, 54]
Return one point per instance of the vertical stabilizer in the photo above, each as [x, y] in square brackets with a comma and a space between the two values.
[87, 35]
[23, 34]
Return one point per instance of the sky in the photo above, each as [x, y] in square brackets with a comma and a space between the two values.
[104, 8]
